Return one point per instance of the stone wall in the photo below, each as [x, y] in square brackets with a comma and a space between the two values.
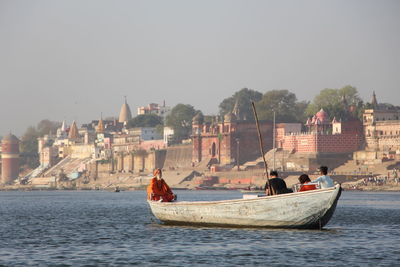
[322, 143]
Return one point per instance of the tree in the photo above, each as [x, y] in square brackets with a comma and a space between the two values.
[333, 102]
[180, 119]
[29, 146]
[47, 127]
[145, 120]
[29, 142]
[285, 105]
[244, 97]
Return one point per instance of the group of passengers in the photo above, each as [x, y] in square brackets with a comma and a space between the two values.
[277, 186]
[158, 190]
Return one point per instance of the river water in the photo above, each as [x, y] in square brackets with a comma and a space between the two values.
[96, 228]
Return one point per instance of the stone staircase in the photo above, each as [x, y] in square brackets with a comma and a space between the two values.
[351, 167]
[259, 161]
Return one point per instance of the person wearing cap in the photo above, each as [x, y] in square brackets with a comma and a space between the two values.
[278, 185]
[324, 180]
[158, 190]
[306, 184]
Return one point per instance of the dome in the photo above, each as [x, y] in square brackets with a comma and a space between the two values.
[322, 116]
[198, 118]
[10, 138]
[230, 117]
[125, 114]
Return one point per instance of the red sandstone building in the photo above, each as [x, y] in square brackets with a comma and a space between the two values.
[10, 159]
[324, 136]
[231, 140]
[228, 141]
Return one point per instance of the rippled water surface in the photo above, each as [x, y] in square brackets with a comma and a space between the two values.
[94, 228]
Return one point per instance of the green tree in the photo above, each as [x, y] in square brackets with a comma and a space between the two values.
[145, 120]
[28, 148]
[285, 105]
[244, 97]
[29, 142]
[47, 127]
[332, 101]
[180, 119]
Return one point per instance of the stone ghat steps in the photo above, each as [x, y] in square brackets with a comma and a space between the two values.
[378, 169]
[67, 165]
[268, 157]
[348, 166]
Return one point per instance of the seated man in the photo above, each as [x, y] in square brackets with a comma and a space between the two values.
[278, 185]
[158, 189]
[324, 180]
[306, 183]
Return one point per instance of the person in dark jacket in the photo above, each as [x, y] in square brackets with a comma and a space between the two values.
[278, 185]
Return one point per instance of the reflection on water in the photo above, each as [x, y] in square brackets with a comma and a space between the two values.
[105, 228]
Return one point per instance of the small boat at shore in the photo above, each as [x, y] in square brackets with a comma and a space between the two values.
[302, 210]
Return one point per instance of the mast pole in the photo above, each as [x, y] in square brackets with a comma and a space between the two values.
[261, 146]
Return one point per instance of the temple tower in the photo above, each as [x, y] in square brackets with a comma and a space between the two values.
[10, 159]
[374, 102]
[125, 114]
[73, 132]
[100, 126]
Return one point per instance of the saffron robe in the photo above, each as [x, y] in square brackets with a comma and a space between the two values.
[158, 189]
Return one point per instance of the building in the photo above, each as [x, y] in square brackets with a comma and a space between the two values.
[10, 159]
[125, 143]
[168, 135]
[229, 141]
[324, 136]
[381, 128]
[152, 108]
[146, 133]
[111, 125]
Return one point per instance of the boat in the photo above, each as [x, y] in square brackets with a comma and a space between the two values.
[301, 210]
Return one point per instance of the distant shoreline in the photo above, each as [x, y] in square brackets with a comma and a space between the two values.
[385, 188]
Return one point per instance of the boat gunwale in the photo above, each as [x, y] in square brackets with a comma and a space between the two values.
[240, 200]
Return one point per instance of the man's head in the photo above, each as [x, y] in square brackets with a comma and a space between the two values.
[304, 179]
[273, 174]
[323, 170]
[158, 173]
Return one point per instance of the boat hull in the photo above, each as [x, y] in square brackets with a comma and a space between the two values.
[302, 210]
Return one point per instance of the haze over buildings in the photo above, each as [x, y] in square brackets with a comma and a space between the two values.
[72, 60]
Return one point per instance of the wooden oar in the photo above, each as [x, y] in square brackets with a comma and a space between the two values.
[262, 147]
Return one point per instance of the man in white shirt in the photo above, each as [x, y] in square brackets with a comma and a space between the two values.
[324, 180]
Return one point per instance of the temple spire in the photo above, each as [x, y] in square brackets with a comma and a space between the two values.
[236, 110]
[100, 125]
[374, 102]
[73, 131]
[125, 114]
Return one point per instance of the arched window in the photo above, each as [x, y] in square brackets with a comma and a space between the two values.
[213, 150]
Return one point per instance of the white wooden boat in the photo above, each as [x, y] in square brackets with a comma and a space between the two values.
[305, 210]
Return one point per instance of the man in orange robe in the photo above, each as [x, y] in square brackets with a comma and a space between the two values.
[158, 189]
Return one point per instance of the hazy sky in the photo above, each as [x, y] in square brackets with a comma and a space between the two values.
[75, 59]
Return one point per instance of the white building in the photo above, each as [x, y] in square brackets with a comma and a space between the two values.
[152, 108]
[146, 133]
[168, 135]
